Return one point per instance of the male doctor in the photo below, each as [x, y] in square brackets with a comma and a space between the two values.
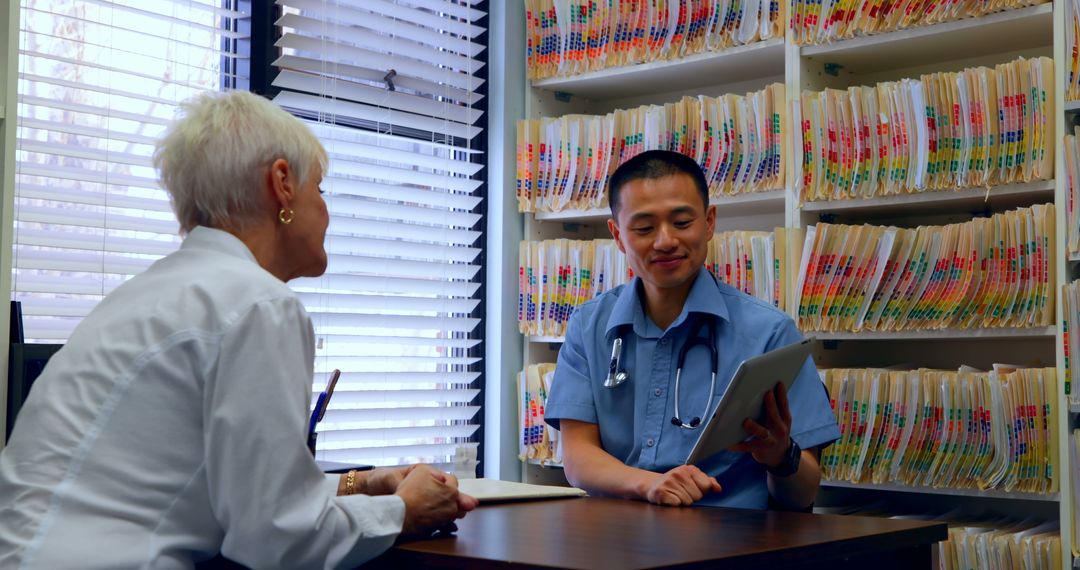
[631, 440]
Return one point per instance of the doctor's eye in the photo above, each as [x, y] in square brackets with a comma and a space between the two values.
[642, 230]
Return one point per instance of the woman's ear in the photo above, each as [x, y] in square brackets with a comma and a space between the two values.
[280, 183]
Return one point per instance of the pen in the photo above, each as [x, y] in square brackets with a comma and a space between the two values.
[320, 409]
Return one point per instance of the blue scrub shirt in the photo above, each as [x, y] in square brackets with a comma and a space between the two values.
[635, 418]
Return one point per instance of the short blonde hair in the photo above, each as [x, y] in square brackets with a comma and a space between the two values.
[214, 157]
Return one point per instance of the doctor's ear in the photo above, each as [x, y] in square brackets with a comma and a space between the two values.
[613, 228]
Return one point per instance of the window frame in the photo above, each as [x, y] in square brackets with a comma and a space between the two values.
[262, 52]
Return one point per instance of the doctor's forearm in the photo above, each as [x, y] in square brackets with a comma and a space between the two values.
[601, 474]
[799, 489]
[589, 467]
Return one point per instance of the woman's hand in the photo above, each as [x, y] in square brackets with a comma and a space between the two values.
[432, 501]
[385, 480]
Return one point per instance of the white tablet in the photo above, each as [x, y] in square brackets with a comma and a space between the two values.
[745, 395]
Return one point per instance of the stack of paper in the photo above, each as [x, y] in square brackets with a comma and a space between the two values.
[557, 276]
[1072, 191]
[494, 491]
[1070, 324]
[977, 540]
[1020, 545]
[989, 272]
[539, 441]
[1072, 34]
[569, 37]
[823, 21]
[564, 162]
[977, 127]
[751, 262]
[937, 428]
[1074, 466]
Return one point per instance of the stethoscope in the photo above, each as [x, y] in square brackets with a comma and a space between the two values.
[617, 375]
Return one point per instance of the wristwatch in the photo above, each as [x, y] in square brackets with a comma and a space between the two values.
[790, 464]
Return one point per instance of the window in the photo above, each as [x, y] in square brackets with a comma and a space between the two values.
[394, 90]
[98, 82]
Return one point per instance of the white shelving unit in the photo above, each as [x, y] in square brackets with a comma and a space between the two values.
[952, 46]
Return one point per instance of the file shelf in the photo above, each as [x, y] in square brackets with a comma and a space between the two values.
[751, 204]
[998, 198]
[735, 64]
[547, 339]
[1010, 31]
[989, 493]
[942, 334]
[951, 46]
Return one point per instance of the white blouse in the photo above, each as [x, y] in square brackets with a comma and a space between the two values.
[173, 426]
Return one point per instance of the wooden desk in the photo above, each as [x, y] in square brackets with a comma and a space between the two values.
[611, 533]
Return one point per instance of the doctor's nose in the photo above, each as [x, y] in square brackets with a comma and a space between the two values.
[665, 239]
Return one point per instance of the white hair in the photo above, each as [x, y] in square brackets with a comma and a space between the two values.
[214, 158]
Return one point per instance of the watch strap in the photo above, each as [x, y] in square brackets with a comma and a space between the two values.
[790, 464]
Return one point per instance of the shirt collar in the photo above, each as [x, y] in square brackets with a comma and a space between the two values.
[201, 237]
[704, 298]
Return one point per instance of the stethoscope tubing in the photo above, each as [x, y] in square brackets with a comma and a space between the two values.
[616, 376]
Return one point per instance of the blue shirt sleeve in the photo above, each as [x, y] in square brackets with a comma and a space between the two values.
[813, 423]
[571, 394]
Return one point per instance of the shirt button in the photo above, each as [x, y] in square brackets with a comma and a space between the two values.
[657, 391]
[663, 341]
[651, 442]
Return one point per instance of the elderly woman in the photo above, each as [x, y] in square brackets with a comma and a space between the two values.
[172, 425]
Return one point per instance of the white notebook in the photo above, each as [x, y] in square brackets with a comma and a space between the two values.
[493, 490]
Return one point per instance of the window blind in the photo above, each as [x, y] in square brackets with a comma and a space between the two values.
[394, 91]
[99, 80]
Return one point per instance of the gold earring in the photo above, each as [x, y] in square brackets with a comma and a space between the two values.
[285, 215]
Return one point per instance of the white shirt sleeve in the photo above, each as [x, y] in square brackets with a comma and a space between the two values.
[277, 508]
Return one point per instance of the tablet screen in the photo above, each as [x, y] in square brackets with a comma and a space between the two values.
[744, 397]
